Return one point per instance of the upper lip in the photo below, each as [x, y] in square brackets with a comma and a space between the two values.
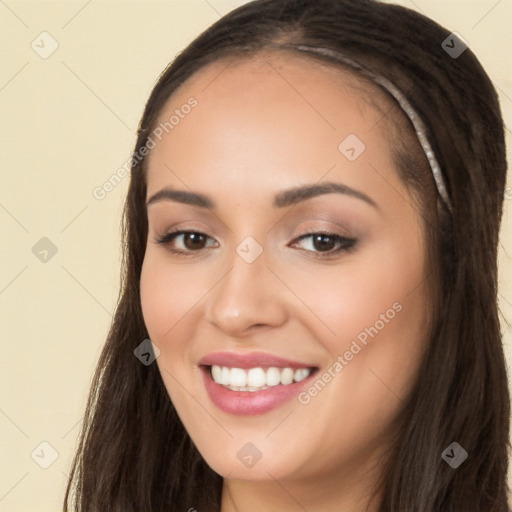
[250, 360]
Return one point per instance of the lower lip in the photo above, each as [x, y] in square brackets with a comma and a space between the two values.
[247, 403]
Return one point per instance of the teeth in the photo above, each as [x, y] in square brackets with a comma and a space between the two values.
[273, 377]
[286, 376]
[225, 377]
[301, 374]
[217, 374]
[238, 377]
[256, 379]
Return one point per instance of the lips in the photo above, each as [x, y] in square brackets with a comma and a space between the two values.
[254, 383]
[250, 360]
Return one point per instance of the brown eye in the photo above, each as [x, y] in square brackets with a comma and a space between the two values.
[194, 241]
[325, 243]
[186, 242]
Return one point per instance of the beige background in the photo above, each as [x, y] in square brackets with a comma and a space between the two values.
[67, 123]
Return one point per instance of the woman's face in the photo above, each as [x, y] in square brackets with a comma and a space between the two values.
[301, 280]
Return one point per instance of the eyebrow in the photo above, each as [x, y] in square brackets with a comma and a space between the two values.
[285, 198]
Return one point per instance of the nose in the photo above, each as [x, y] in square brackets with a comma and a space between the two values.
[247, 299]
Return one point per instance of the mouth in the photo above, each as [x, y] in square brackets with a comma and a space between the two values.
[253, 383]
[257, 379]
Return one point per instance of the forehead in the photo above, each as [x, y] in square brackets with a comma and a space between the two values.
[269, 101]
[261, 71]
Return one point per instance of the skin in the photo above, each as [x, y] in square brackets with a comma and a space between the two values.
[262, 126]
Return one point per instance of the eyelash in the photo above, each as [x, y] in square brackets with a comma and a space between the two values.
[344, 244]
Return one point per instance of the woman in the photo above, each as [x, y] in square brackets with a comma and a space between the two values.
[311, 234]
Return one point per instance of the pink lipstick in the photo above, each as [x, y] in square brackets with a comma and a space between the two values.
[252, 383]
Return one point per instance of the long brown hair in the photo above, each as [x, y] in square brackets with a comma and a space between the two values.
[135, 455]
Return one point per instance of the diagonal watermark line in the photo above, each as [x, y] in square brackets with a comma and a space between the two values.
[301, 96]
[229, 493]
[72, 428]
[14, 486]
[13, 217]
[13, 279]
[301, 300]
[99, 98]
[206, 1]
[502, 91]
[74, 218]
[198, 403]
[420, 283]
[279, 424]
[220, 220]
[14, 423]
[385, 385]
[14, 76]
[417, 6]
[505, 299]
[287, 492]
[504, 249]
[198, 301]
[295, 205]
[215, 77]
[76, 14]
[410, 203]
[86, 290]
[14, 14]
[485, 15]
[384, 115]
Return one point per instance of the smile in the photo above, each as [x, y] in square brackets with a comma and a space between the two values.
[252, 383]
[257, 379]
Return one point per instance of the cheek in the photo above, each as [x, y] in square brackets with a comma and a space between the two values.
[155, 285]
[169, 295]
[372, 312]
[369, 291]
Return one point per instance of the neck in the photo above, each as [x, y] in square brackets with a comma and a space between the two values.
[348, 494]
